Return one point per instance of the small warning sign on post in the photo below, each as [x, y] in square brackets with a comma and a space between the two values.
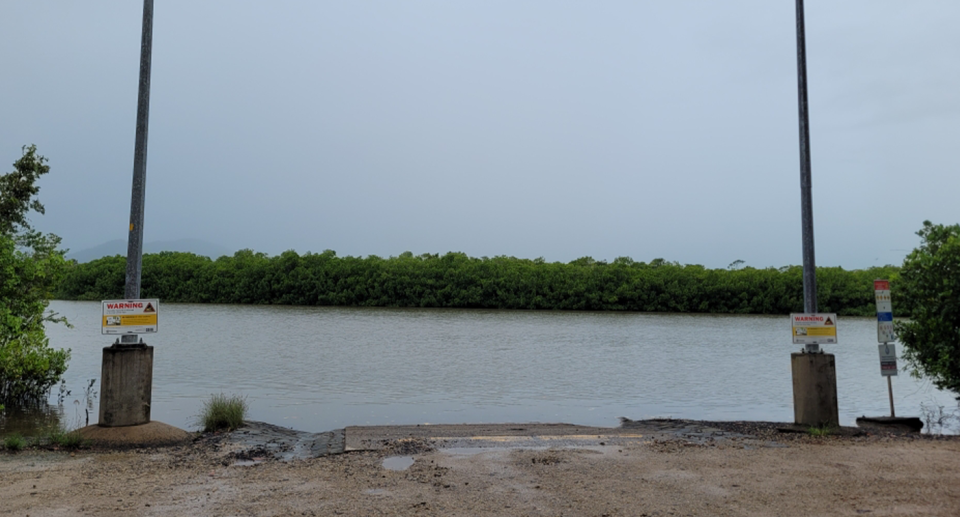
[888, 359]
[885, 332]
[814, 329]
[129, 316]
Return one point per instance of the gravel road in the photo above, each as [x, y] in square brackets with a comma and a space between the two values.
[652, 468]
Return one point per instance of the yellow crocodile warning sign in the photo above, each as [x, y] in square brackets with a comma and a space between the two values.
[810, 329]
[129, 316]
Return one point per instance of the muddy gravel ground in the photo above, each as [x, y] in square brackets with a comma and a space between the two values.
[647, 476]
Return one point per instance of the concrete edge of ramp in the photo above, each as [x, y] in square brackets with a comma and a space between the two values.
[361, 438]
[537, 435]
[151, 434]
[259, 440]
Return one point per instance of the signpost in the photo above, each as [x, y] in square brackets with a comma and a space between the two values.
[814, 372]
[122, 317]
[884, 312]
[814, 329]
[888, 368]
[885, 335]
[126, 377]
[888, 360]
[806, 183]
[138, 195]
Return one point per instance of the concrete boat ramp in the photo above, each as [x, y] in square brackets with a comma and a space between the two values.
[258, 440]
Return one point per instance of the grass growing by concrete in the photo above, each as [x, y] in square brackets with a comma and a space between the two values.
[14, 442]
[223, 412]
[57, 438]
[66, 439]
[820, 431]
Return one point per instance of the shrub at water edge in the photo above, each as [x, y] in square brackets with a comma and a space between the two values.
[223, 412]
[930, 295]
[14, 442]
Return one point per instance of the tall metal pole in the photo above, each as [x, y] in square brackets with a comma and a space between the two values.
[135, 238]
[806, 197]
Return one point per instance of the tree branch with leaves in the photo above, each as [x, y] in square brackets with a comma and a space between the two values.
[31, 268]
[928, 289]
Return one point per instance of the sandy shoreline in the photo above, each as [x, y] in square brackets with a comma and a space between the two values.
[642, 468]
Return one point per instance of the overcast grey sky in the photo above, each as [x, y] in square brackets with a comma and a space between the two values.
[526, 128]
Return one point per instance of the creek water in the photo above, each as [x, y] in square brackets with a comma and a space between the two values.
[320, 368]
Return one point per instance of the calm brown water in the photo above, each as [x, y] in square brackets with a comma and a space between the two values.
[318, 368]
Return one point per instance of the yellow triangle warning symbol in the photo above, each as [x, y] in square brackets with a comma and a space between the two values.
[149, 308]
[828, 322]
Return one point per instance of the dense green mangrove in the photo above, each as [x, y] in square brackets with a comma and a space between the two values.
[456, 280]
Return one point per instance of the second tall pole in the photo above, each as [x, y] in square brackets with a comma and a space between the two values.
[806, 183]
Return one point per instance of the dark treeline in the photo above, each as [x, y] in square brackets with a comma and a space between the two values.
[456, 280]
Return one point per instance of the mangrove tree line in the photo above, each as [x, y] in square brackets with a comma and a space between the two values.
[457, 280]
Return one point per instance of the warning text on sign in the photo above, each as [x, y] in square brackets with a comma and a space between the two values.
[814, 329]
[129, 316]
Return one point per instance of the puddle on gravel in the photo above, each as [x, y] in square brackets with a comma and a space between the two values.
[397, 462]
[376, 491]
[246, 463]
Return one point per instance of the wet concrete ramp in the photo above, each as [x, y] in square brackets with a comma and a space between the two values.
[260, 439]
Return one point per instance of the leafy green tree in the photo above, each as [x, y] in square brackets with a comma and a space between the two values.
[31, 267]
[18, 190]
[929, 290]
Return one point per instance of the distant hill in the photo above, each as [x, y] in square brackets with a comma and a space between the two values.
[119, 247]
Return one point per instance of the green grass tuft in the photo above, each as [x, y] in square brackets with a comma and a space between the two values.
[71, 440]
[15, 442]
[223, 412]
[820, 431]
[66, 439]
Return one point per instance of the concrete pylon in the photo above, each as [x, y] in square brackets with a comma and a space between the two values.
[126, 385]
[815, 389]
